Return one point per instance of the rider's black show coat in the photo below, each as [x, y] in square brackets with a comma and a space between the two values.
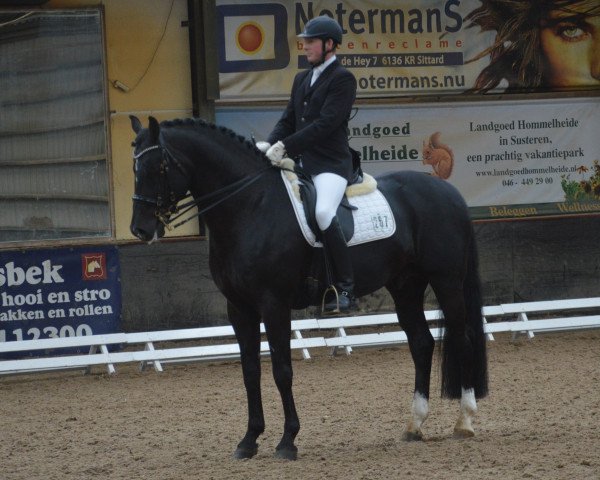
[315, 121]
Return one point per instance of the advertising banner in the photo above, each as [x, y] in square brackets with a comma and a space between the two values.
[528, 159]
[59, 293]
[413, 47]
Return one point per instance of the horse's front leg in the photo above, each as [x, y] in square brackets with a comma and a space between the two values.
[247, 330]
[277, 319]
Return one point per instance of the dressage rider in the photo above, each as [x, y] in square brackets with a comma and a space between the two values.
[313, 127]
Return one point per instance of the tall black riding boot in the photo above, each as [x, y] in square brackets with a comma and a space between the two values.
[343, 275]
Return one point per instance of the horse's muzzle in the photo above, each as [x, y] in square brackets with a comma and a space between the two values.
[148, 235]
[145, 225]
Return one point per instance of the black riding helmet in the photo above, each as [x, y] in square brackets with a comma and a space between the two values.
[323, 27]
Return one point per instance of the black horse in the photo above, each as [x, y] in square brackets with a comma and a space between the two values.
[260, 260]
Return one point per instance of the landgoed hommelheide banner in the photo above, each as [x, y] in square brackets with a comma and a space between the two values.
[509, 160]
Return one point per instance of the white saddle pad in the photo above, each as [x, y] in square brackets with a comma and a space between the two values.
[373, 219]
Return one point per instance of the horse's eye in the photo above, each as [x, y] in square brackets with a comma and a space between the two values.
[133, 144]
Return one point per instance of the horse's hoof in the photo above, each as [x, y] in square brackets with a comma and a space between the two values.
[463, 433]
[243, 453]
[286, 453]
[412, 436]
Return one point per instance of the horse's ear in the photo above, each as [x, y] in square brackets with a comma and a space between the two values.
[135, 123]
[154, 128]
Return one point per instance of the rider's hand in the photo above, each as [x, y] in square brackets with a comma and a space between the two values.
[263, 146]
[276, 153]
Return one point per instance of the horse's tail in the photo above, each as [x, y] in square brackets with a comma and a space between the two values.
[475, 336]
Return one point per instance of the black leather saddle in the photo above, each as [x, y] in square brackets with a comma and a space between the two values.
[308, 195]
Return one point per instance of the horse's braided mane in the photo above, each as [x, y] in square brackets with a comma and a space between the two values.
[200, 124]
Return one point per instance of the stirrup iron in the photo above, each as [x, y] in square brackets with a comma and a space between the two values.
[335, 311]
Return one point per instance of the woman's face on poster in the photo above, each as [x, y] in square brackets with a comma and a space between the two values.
[570, 43]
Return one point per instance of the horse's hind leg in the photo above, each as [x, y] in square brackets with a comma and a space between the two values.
[458, 353]
[247, 330]
[408, 298]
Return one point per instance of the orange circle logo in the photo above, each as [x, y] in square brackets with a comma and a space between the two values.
[250, 37]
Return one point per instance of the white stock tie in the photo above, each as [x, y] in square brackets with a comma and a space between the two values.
[315, 74]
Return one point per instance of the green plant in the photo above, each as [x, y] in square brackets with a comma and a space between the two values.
[584, 189]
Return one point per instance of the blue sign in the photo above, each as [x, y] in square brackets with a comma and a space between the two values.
[59, 293]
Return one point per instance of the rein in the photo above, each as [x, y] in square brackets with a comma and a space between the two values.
[219, 196]
[236, 187]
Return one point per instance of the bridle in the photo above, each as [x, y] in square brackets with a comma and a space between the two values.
[166, 200]
[167, 209]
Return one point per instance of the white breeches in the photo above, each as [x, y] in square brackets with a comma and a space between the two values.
[330, 191]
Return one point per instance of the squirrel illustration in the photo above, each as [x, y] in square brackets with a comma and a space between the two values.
[439, 156]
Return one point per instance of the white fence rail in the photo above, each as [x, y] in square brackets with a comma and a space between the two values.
[337, 332]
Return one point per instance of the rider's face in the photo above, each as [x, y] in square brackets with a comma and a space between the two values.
[571, 46]
[313, 49]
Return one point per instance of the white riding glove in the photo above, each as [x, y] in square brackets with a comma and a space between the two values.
[276, 153]
[263, 146]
